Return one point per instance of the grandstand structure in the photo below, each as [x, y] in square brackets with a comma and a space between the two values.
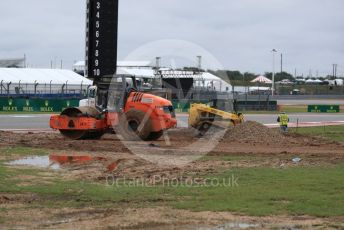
[12, 63]
[188, 85]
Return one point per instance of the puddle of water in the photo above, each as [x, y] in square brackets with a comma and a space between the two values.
[240, 225]
[36, 161]
[64, 159]
[56, 161]
[229, 226]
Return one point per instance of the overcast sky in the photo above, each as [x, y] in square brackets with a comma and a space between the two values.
[239, 34]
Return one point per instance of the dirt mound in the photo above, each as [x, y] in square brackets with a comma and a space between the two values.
[108, 143]
[253, 132]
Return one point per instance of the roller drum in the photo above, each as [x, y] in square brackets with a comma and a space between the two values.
[76, 112]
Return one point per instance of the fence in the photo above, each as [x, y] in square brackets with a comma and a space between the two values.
[310, 89]
[43, 90]
[257, 106]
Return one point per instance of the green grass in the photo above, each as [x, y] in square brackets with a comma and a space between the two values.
[223, 158]
[335, 133]
[284, 108]
[294, 109]
[264, 191]
[287, 109]
[315, 191]
[23, 151]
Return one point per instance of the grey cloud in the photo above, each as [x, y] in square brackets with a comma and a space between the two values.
[241, 34]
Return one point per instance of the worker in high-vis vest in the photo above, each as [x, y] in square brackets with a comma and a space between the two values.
[283, 120]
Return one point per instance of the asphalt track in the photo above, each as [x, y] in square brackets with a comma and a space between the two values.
[312, 102]
[39, 122]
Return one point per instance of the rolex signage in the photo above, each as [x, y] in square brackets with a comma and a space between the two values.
[9, 105]
[36, 105]
[46, 108]
[27, 107]
[68, 105]
[323, 108]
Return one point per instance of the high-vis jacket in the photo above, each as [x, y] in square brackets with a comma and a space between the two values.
[283, 119]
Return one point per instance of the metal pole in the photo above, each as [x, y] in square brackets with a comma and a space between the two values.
[281, 64]
[81, 88]
[199, 59]
[8, 88]
[157, 64]
[62, 89]
[34, 85]
[259, 108]
[273, 72]
[1, 85]
[335, 70]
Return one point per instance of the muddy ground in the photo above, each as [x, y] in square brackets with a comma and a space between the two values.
[161, 218]
[179, 152]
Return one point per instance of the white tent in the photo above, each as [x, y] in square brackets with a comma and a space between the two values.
[210, 81]
[256, 88]
[137, 72]
[310, 81]
[41, 81]
[42, 76]
[262, 79]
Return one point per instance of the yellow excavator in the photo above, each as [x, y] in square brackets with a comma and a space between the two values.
[202, 117]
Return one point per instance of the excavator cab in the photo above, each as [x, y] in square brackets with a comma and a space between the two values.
[119, 90]
[91, 97]
[202, 117]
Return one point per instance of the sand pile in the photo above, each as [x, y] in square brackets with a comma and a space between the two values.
[253, 132]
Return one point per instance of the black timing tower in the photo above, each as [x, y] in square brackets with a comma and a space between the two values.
[101, 44]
